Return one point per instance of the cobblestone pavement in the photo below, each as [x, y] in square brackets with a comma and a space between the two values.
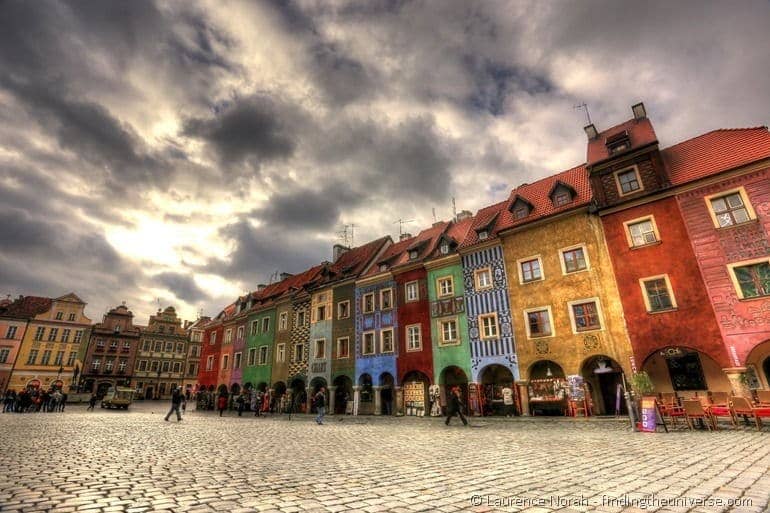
[134, 461]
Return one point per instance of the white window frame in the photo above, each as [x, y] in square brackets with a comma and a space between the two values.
[439, 288]
[521, 261]
[253, 328]
[392, 341]
[237, 360]
[299, 356]
[363, 343]
[599, 314]
[477, 281]
[409, 347]
[11, 333]
[264, 355]
[343, 342]
[225, 361]
[240, 333]
[317, 313]
[303, 312]
[627, 227]
[264, 324]
[210, 363]
[315, 349]
[482, 328]
[734, 279]
[339, 312]
[526, 313]
[563, 263]
[364, 309]
[252, 357]
[382, 295]
[212, 338]
[741, 191]
[283, 321]
[229, 336]
[616, 177]
[280, 352]
[407, 286]
[646, 298]
[440, 326]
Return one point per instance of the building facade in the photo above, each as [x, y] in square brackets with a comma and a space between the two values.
[161, 360]
[14, 320]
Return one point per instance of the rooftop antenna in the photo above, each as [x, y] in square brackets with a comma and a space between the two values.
[434, 214]
[454, 209]
[200, 313]
[584, 106]
[401, 223]
[346, 235]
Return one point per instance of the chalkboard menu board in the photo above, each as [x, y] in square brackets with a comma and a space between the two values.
[576, 389]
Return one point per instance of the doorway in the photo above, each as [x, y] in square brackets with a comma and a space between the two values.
[604, 385]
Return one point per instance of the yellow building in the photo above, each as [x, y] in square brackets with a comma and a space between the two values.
[48, 354]
[567, 317]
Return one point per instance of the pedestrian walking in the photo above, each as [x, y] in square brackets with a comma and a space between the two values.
[222, 402]
[63, 402]
[319, 401]
[455, 407]
[176, 402]
[241, 401]
[257, 406]
[91, 402]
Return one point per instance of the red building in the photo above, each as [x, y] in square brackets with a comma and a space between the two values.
[211, 347]
[673, 331]
[723, 190]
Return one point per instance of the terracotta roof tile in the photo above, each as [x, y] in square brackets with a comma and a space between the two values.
[392, 256]
[485, 217]
[26, 307]
[425, 241]
[640, 133]
[715, 152]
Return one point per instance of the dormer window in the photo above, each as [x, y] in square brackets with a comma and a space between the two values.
[520, 208]
[383, 267]
[444, 248]
[483, 235]
[521, 212]
[562, 194]
[618, 143]
[413, 255]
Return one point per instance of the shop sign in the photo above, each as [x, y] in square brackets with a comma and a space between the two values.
[649, 414]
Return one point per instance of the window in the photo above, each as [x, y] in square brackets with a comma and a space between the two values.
[483, 278]
[386, 299]
[71, 359]
[731, 208]
[78, 337]
[194, 351]
[383, 267]
[413, 255]
[158, 346]
[4, 354]
[530, 270]
[283, 321]
[280, 353]
[561, 198]
[228, 336]
[225, 360]
[146, 345]
[46, 359]
[628, 181]
[444, 248]
[108, 365]
[585, 315]
[253, 330]
[169, 347]
[386, 341]
[538, 322]
[573, 260]
[143, 364]
[265, 324]
[191, 370]
[65, 335]
[210, 363]
[11, 333]
[343, 347]
[52, 334]
[177, 367]
[122, 366]
[483, 235]
[237, 361]
[412, 290]
[298, 352]
[59, 360]
[520, 212]
[751, 279]
[95, 364]
[240, 332]
[343, 309]
[641, 232]
[100, 344]
[414, 337]
[212, 339]
[448, 331]
[320, 313]
[320, 348]
[154, 365]
[445, 286]
[39, 332]
[59, 316]
[368, 302]
[488, 326]
[367, 346]
[656, 291]
[252, 357]
[263, 356]
[71, 317]
[113, 345]
[301, 318]
[126, 346]
[166, 366]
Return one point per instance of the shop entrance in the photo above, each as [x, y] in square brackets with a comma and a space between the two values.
[365, 395]
[298, 396]
[685, 371]
[603, 380]
[102, 388]
[278, 401]
[343, 394]
[148, 392]
[494, 378]
[315, 386]
[452, 377]
[547, 389]
[416, 398]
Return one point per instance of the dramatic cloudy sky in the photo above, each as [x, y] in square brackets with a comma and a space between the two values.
[185, 151]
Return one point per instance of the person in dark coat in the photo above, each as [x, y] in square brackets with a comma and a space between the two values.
[455, 406]
[91, 402]
[176, 401]
[222, 402]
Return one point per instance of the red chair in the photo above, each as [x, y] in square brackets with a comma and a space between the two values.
[717, 411]
[744, 408]
[693, 409]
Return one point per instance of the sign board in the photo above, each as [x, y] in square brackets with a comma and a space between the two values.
[576, 389]
[651, 416]
[414, 397]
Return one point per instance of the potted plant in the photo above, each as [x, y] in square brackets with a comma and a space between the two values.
[641, 385]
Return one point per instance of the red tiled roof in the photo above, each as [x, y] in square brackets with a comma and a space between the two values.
[459, 229]
[392, 255]
[537, 194]
[426, 240]
[354, 261]
[26, 307]
[483, 218]
[640, 133]
[714, 152]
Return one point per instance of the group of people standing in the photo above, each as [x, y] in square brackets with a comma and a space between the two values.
[34, 400]
[248, 400]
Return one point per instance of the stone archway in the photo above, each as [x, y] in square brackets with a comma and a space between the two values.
[416, 385]
[343, 394]
[603, 380]
[493, 379]
[365, 394]
[298, 397]
[451, 377]
[685, 370]
[547, 389]
[759, 359]
[387, 384]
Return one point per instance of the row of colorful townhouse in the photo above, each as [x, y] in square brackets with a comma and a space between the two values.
[640, 259]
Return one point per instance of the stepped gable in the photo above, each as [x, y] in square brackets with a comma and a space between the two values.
[26, 307]
[486, 218]
[640, 133]
[715, 152]
[538, 195]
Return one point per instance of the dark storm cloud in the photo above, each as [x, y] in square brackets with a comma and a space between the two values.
[308, 209]
[250, 128]
[494, 81]
[182, 285]
[343, 78]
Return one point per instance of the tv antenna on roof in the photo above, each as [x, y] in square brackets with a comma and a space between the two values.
[346, 236]
[584, 106]
[401, 223]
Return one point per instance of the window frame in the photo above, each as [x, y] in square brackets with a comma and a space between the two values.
[646, 298]
[263, 355]
[264, 324]
[440, 326]
[445, 279]
[364, 309]
[346, 344]
[734, 278]
[409, 347]
[210, 363]
[237, 360]
[573, 320]
[477, 282]
[389, 290]
[283, 321]
[407, 285]
[363, 343]
[482, 332]
[298, 356]
[520, 271]
[303, 312]
[254, 327]
[225, 361]
[392, 341]
[280, 352]
[339, 313]
[616, 177]
[315, 349]
[741, 191]
[563, 262]
[549, 311]
[631, 222]
[251, 357]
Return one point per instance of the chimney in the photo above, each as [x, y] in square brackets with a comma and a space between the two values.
[261, 287]
[463, 214]
[591, 132]
[337, 251]
[286, 275]
[639, 111]
[404, 236]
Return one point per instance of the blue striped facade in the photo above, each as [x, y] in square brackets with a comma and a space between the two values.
[502, 350]
[378, 363]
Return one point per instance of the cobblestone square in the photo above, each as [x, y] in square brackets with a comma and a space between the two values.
[133, 461]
